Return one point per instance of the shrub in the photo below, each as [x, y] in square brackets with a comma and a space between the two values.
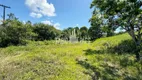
[45, 32]
[14, 32]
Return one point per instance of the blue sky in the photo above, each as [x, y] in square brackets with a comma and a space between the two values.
[60, 13]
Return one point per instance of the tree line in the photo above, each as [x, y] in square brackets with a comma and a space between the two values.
[15, 32]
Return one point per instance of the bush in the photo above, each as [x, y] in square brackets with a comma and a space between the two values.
[45, 32]
[14, 32]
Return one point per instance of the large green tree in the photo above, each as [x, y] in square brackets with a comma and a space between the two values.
[84, 32]
[94, 33]
[13, 32]
[126, 14]
[77, 32]
[96, 25]
[45, 32]
[65, 35]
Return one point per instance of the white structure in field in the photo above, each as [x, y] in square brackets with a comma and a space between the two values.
[73, 37]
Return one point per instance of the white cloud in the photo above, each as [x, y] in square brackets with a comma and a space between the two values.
[56, 25]
[40, 8]
[47, 22]
[35, 15]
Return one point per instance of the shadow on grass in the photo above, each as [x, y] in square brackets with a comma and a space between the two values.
[126, 46]
[110, 71]
[94, 75]
[91, 52]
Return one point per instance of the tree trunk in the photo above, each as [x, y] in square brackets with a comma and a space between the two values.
[137, 44]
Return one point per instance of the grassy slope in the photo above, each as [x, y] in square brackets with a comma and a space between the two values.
[109, 65]
[81, 61]
[39, 61]
[111, 41]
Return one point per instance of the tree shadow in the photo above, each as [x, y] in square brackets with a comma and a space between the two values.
[93, 73]
[97, 73]
[126, 46]
[91, 52]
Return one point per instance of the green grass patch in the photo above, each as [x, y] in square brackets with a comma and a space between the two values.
[48, 60]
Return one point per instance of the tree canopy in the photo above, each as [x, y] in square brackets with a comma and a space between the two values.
[126, 14]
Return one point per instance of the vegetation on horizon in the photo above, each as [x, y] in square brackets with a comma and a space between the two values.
[14, 32]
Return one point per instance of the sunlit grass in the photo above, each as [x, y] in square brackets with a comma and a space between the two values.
[49, 60]
[38, 60]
